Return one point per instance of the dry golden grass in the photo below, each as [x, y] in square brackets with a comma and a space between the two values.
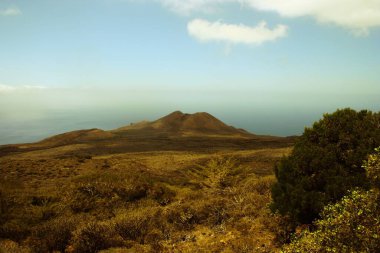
[157, 201]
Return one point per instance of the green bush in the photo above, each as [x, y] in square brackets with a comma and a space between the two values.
[351, 225]
[372, 166]
[325, 163]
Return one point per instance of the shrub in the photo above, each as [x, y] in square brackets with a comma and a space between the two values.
[212, 212]
[95, 236]
[95, 191]
[133, 225]
[325, 163]
[15, 220]
[54, 234]
[8, 246]
[219, 172]
[372, 166]
[161, 193]
[15, 229]
[137, 248]
[351, 225]
[182, 216]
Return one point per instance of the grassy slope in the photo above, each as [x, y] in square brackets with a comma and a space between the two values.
[145, 201]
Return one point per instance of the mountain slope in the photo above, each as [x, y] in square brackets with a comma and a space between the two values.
[176, 131]
[184, 124]
[87, 135]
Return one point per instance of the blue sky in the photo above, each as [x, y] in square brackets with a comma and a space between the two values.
[268, 66]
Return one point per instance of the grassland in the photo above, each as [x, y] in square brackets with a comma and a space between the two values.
[64, 199]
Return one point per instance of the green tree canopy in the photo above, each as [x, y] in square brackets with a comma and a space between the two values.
[350, 225]
[325, 163]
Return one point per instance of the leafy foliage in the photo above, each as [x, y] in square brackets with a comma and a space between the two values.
[351, 225]
[372, 166]
[325, 163]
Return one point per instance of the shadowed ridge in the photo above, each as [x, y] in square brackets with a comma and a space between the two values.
[77, 136]
[89, 136]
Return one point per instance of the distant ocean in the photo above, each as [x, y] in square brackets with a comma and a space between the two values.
[32, 129]
[29, 116]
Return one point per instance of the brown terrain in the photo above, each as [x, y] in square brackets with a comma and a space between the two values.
[175, 132]
[190, 180]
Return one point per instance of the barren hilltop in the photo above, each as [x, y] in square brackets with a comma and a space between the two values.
[176, 131]
[185, 124]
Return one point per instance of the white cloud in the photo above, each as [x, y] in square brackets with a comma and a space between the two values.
[185, 7]
[9, 88]
[10, 11]
[6, 88]
[359, 16]
[33, 87]
[205, 31]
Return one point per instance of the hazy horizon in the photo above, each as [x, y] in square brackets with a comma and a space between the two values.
[36, 127]
[264, 66]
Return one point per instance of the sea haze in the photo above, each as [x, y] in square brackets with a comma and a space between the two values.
[31, 130]
[29, 116]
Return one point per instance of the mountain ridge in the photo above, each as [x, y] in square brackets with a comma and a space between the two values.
[186, 124]
[176, 131]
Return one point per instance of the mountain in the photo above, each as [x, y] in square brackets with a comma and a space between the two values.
[175, 132]
[184, 124]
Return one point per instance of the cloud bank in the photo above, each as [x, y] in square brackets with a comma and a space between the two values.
[205, 31]
[10, 11]
[9, 88]
[186, 7]
[358, 16]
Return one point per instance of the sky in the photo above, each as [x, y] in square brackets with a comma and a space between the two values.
[269, 66]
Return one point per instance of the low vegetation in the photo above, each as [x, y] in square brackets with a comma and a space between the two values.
[209, 203]
[320, 197]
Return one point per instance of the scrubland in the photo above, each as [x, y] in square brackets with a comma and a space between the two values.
[156, 201]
